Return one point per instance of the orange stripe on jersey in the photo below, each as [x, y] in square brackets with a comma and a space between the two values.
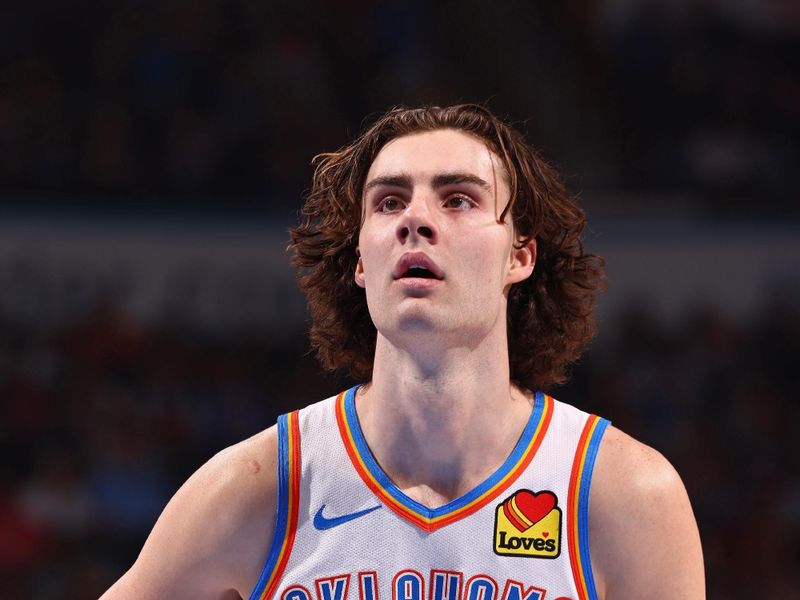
[514, 516]
[577, 506]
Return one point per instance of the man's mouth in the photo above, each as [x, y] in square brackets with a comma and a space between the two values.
[417, 265]
[419, 272]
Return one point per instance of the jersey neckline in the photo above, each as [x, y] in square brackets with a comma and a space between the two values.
[430, 519]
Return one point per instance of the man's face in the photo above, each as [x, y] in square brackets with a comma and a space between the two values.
[433, 256]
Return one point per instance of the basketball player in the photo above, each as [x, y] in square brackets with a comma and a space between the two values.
[443, 266]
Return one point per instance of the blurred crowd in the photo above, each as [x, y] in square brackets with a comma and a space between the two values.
[710, 103]
[104, 418]
[227, 101]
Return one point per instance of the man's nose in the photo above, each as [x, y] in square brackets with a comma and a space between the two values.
[418, 220]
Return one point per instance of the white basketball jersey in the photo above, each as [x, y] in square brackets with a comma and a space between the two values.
[344, 531]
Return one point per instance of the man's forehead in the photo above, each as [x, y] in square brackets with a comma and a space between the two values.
[439, 153]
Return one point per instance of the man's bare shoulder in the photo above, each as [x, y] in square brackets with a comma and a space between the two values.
[644, 538]
[213, 537]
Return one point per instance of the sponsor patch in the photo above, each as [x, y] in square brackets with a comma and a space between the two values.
[528, 524]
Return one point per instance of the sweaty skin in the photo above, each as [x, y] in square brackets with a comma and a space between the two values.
[432, 198]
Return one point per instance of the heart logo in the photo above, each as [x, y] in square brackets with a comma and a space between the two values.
[545, 534]
[535, 506]
[524, 509]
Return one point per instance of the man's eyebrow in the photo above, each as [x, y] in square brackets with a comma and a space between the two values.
[441, 180]
[454, 178]
[401, 181]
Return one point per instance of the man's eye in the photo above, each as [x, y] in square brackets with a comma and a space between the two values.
[458, 202]
[390, 205]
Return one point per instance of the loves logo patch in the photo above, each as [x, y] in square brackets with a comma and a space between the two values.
[528, 524]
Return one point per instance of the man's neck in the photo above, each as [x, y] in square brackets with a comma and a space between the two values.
[439, 428]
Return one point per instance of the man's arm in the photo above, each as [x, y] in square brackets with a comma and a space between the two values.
[213, 537]
[644, 538]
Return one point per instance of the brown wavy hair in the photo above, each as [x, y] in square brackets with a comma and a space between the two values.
[550, 314]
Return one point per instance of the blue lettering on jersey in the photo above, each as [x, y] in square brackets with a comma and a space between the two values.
[333, 588]
[296, 592]
[445, 585]
[368, 585]
[407, 585]
[481, 587]
[516, 591]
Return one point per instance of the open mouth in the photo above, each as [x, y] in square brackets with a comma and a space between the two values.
[419, 273]
[416, 265]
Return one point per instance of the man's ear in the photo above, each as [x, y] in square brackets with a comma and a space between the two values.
[523, 259]
[359, 274]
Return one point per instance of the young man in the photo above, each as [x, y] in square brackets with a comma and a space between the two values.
[443, 265]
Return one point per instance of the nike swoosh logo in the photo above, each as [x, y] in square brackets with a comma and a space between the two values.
[321, 522]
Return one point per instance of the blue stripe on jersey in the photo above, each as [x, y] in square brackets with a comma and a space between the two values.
[430, 513]
[583, 506]
[283, 508]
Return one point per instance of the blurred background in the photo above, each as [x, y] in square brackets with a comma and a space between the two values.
[153, 155]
